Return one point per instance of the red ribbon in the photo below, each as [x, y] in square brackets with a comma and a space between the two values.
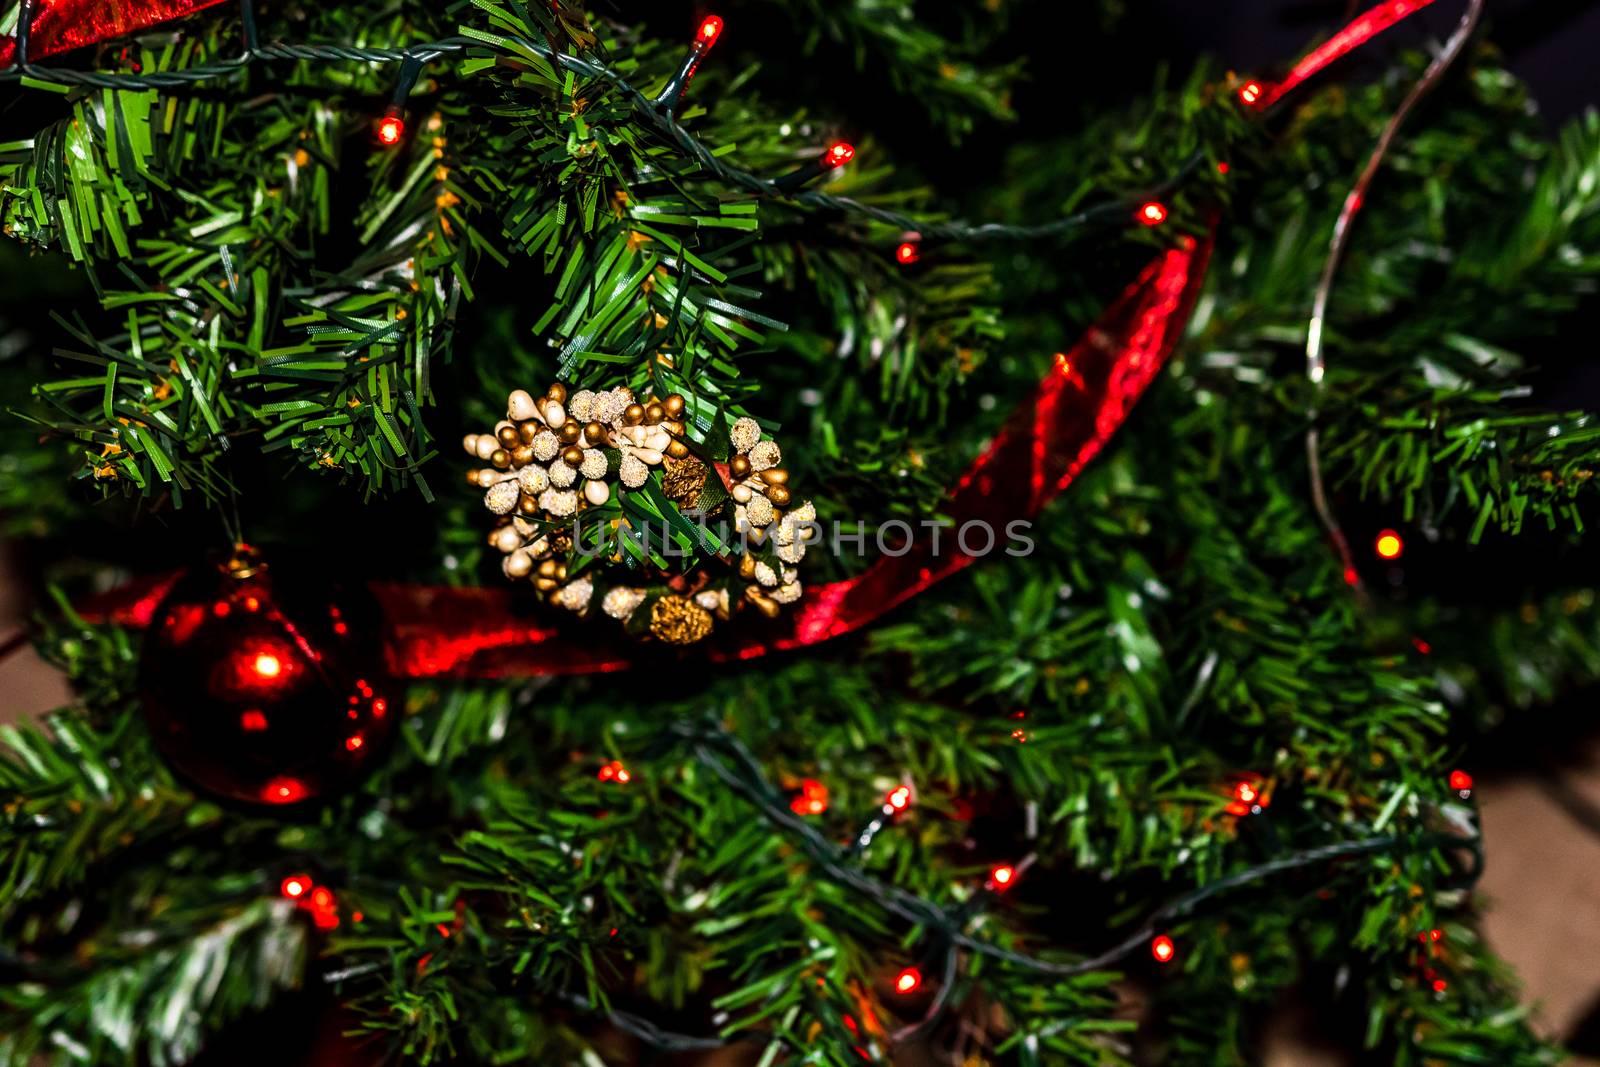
[1357, 32]
[62, 25]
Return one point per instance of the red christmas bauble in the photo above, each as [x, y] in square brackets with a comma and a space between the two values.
[264, 688]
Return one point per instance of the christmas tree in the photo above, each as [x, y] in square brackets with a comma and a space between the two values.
[831, 535]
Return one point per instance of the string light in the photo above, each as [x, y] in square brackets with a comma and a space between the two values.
[1163, 949]
[1388, 545]
[324, 908]
[908, 981]
[391, 127]
[1153, 213]
[812, 798]
[283, 790]
[614, 772]
[1003, 876]
[1461, 782]
[252, 721]
[706, 36]
[1247, 798]
[899, 798]
[1250, 93]
[838, 154]
[907, 253]
[296, 886]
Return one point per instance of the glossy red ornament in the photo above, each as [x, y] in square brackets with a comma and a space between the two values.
[262, 688]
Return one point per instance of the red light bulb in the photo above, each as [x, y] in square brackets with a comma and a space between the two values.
[391, 128]
[710, 30]
[907, 252]
[1002, 876]
[838, 154]
[614, 772]
[252, 721]
[296, 886]
[1163, 949]
[1388, 545]
[284, 790]
[812, 798]
[324, 908]
[899, 798]
[267, 665]
[1461, 781]
[907, 981]
[1249, 93]
[1246, 792]
[1153, 213]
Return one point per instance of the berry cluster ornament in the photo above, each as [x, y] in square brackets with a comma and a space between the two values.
[589, 478]
[262, 688]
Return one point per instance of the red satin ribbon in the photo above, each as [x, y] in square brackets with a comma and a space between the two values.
[62, 25]
[1357, 32]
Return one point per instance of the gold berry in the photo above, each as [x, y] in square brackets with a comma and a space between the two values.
[558, 393]
[654, 413]
[500, 458]
[528, 431]
[633, 414]
[673, 404]
[570, 432]
[779, 495]
[594, 433]
[573, 456]
[508, 436]
[775, 476]
[740, 466]
[677, 449]
[522, 455]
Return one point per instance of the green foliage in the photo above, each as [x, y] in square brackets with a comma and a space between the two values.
[276, 295]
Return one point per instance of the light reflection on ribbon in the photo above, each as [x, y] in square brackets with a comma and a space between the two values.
[1316, 361]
